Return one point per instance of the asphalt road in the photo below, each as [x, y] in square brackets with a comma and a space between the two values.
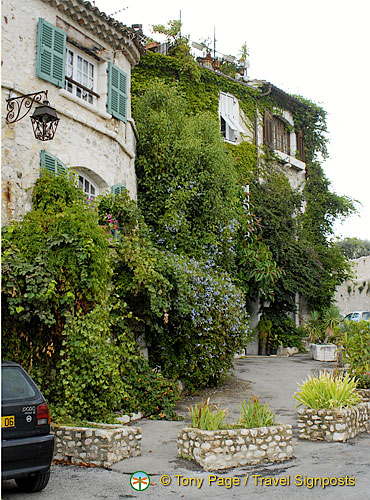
[274, 380]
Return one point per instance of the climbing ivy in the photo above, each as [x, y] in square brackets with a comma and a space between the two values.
[286, 230]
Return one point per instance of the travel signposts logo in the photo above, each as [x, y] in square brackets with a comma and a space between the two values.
[140, 481]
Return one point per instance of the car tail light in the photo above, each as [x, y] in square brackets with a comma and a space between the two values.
[42, 415]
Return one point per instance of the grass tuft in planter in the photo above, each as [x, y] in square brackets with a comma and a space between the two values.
[207, 417]
[329, 391]
[253, 414]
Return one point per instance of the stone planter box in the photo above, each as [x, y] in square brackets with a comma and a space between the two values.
[101, 446]
[365, 394]
[333, 425]
[323, 352]
[223, 449]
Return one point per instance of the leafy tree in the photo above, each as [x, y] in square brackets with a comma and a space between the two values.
[172, 30]
[187, 185]
[354, 248]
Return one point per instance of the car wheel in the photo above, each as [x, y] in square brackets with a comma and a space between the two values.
[33, 483]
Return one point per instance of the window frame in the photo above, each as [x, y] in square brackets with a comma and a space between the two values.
[72, 81]
[52, 47]
[281, 135]
[87, 179]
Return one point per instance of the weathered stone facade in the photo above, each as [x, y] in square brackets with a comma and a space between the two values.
[100, 147]
[223, 449]
[101, 446]
[333, 425]
[354, 295]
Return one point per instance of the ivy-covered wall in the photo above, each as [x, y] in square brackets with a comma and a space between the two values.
[294, 223]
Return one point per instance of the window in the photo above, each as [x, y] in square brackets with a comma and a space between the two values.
[81, 75]
[276, 133]
[89, 187]
[281, 136]
[69, 68]
[15, 384]
[51, 163]
[229, 116]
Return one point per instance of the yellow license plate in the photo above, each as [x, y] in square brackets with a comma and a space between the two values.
[8, 421]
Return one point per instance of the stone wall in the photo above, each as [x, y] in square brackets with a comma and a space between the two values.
[333, 425]
[101, 446]
[222, 449]
[354, 295]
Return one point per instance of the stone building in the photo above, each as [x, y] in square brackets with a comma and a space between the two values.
[354, 294]
[83, 59]
[274, 129]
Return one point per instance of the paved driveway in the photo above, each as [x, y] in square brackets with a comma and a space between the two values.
[274, 380]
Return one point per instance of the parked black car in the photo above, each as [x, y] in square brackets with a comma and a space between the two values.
[26, 443]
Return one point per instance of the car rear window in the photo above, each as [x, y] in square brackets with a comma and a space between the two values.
[366, 316]
[15, 385]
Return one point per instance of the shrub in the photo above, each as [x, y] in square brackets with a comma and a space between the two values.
[150, 392]
[353, 339]
[206, 324]
[327, 391]
[253, 414]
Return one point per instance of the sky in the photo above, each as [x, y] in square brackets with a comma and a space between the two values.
[318, 49]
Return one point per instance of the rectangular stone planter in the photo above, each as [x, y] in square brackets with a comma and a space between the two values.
[333, 425]
[102, 445]
[365, 394]
[323, 352]
[223, 449]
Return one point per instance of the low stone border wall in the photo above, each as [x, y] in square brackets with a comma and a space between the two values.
[333, 425]
[102, 446]
[222, 449]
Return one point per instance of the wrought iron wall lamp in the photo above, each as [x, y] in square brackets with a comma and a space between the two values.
[44, 119]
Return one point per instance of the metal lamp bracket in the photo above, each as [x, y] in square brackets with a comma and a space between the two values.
[19, 107]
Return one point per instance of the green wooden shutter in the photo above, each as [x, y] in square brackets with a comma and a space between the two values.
[51, 53]
[118, 189]
[51, 163]
[117, 92]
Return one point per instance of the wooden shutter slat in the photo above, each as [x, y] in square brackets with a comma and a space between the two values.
[51, 48]
[118, 188]
[51, 163]
[117, 92]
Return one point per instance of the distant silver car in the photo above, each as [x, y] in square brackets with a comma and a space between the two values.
[358, 316]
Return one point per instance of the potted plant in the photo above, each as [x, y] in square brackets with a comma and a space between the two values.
[215, 445]
[333, 410]
[321, 328]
